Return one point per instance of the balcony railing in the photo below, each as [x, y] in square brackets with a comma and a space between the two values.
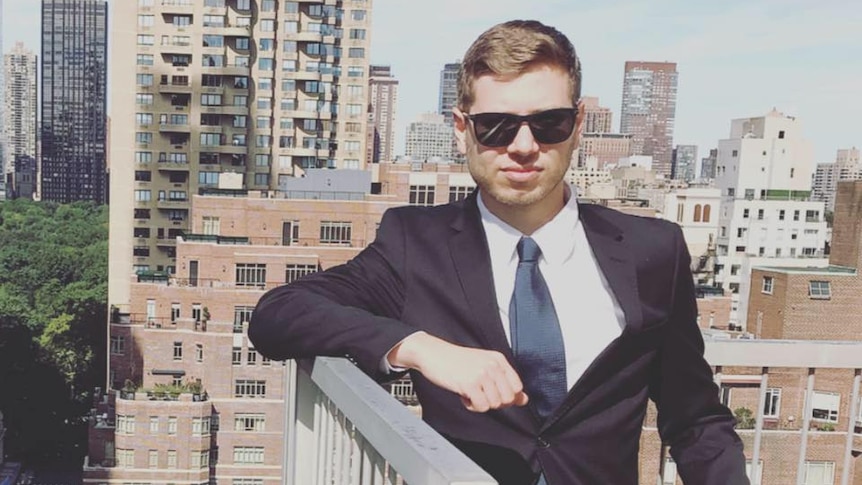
[344, 428]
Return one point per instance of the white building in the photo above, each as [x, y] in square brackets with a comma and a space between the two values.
[696, 211]
[591, 181]
[20, 104]
[429, 136]
[764, 173]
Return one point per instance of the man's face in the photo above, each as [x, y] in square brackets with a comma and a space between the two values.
[524, 173]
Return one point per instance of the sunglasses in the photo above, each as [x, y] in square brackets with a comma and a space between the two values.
[499, 129]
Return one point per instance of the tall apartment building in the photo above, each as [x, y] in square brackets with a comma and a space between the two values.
[448, 96]
[383, 99]
[189, 400]
[74, 97]
[597, 119]
[684, 162]
[259, 88]
[847, 166]
[649, 110]
[429, 137]
[764, 173]
[19, 70]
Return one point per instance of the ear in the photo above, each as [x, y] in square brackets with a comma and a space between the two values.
[460, 125]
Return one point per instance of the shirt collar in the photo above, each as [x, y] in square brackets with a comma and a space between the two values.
[556, 238]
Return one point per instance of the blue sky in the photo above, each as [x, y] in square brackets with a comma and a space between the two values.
[735, 58]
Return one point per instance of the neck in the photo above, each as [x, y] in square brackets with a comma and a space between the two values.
[530, 217]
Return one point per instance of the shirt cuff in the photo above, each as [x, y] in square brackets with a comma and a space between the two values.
[386, 367]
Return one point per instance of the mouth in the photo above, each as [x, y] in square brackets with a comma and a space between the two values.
[521, 174]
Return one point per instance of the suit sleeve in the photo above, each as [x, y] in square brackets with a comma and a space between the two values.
[699, 429]
[349, 310]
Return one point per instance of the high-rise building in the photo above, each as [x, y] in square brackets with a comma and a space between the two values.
[649, 110]
[429, 137]
[597, 119]
[226, 93]
[383, 98]
[847, 166]
[607, 148]
[20, 127]
[684, 162]
[74, 97]
[448, 97]
[707, 165]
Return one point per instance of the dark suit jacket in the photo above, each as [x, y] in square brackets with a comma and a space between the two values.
[429, 269]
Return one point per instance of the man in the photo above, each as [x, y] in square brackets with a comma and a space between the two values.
[534, 328]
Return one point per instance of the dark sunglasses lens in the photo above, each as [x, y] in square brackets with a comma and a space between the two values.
[495, 129]
[553, 126]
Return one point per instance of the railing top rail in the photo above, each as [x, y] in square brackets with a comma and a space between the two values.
[420, 454]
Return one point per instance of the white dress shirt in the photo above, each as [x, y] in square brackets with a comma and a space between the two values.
[589, 314]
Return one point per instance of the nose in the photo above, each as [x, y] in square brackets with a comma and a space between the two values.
[524, 143]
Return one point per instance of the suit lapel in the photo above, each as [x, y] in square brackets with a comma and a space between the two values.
[469, 249]
[612, 253]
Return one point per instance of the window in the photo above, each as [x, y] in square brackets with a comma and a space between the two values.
[734, 269]
[745, 213]
[724, 395]
[172, 425]
[459, 193]
[201, 426]
[125, 458]
[208, 178]
[335, 232]
[236, 356]
[249, 422]
[210, 40]
[251, 275]
[251, 455]
[422, 195]
[294, 272]
[795, 215]
[199, 353]
[143, 157]
[118, 345]
[214, 20]
[781, 215]
[175, 311]
[144, 39]
[819, 290]
[178, 351]
[355, 71]
[125, 424]
[772, 405]
[249, 388]
[697, 212]
[824, 406]
[266, 64]
[240, 100]
[767, 285]
[210, 139]
[819, 472]
[200, 459]
[154, 459]
[759, 214]
[251, 358]
[210, 99]
[291, 7]
[261, 179]
[706, 212]
[142, 232]
[142, 213]
[356, 52]
[357, 14]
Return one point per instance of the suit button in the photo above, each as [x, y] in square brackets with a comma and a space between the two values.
[542, 442]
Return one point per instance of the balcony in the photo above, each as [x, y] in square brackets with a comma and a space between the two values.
[168, 166]
[232, 70]
[175, 7]
[175, 88]
[236, 31]
[173, 203]
[225, 110]
[344, 428]
[174, 128]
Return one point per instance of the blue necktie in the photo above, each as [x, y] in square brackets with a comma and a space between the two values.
[537, 342]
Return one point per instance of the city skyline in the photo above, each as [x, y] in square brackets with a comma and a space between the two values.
[791, 55]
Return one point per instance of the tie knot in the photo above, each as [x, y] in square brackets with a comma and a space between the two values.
[528, 250]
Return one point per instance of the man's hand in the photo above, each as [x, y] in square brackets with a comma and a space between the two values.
[483, 378]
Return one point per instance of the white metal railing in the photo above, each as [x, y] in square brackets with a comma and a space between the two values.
[341, 427]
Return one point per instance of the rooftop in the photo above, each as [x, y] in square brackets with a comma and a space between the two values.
[828, 270]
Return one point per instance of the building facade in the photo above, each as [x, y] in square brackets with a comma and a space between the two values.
[684, 162]
[847, 166]
[74, 100]
[189, 400]
[429, 137]
[383, 98]
[448, 95]
[597, 119]
[649, 110]
[21, 106]
[707, 165]
[606, 148]
[258, 89]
